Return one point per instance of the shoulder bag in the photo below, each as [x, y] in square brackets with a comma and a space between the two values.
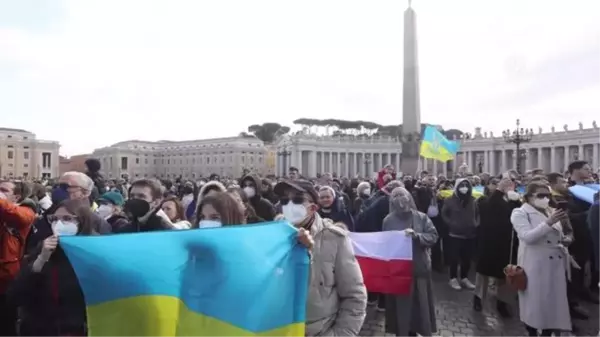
[514, 274]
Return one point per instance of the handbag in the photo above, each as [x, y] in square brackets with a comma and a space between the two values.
[515, 276]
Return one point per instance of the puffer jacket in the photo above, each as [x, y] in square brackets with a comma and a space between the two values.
[337, 299]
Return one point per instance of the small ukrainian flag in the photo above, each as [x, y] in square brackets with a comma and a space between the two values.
[435, 146]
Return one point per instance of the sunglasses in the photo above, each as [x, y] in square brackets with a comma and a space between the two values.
[297, 199]
[542, 195]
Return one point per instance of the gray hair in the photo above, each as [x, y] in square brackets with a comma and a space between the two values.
[401, 200]
[393, 185]
[86, 183]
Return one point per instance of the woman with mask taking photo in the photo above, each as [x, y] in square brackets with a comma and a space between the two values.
[546, 261]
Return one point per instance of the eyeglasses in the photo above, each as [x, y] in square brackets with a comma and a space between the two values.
[542, 195]
[66, 218]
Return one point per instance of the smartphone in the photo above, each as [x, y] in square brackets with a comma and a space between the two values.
[562, 205]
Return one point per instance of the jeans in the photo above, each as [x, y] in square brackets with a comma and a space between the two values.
[460, 251]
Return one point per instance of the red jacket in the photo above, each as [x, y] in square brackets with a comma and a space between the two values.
[380, 174]
[15, 223]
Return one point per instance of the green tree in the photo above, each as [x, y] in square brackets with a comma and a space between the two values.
[268, 132]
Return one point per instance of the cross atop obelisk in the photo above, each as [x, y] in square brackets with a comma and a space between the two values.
[411, 106]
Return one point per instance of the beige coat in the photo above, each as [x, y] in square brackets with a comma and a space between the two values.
[543, 305]
[337, 299]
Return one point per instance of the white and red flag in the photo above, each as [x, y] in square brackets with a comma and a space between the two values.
[385, 259]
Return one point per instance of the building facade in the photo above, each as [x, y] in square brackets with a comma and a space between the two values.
[551, 151]
[24, 156]
[345, 156]
[73, 163]
[192, 159]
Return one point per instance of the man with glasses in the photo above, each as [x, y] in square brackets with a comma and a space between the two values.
[337, 297]
[17, 215]
[78, 186]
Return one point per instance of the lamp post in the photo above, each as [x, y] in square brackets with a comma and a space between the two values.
[518, 136]
[367, 161]
[284, 153]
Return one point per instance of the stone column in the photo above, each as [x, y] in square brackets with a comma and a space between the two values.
[493, 170]
[581, 154]
[379, 161]
[540, 158]
[312, 163]
[330, 162]
[347, 164]
[553, 159]
[468, 160]
[445, 169]
[595, 155]
[528, 159]
[322, 166]
[566, 158]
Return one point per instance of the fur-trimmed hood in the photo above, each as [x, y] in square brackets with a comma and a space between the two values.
[211, 185]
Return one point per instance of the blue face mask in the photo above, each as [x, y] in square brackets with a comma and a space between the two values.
[209, 224]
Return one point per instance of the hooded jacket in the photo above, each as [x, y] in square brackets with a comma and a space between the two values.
[461, 213]
[190, 212]
[263, 207]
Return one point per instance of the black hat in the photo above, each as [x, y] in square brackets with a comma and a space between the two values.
[300, 185]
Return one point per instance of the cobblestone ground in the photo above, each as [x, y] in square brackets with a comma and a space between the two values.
[455, 316]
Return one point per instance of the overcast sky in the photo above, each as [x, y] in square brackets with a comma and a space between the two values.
[91, 73]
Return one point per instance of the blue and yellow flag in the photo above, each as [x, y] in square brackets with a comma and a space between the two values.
[233, 281]
[435, 146]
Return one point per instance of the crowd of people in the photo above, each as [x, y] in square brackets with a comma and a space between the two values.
[455, 222]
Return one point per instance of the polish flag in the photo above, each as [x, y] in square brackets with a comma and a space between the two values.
[385, 259]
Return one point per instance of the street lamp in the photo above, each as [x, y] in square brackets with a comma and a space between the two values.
[518, 136]
[367, 161]
[284, 153]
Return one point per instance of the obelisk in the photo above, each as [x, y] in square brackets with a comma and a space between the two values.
[411, 105]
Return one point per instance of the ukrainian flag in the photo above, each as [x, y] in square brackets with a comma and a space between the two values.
[435, 146]
[249, 280]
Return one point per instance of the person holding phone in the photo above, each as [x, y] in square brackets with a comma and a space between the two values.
[47, 289]
[545, 260]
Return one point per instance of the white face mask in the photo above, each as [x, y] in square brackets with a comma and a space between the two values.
[65, 228]
[541, 203]
[463, 190]
[249, 191]
[210, 224]
[105, 211]
[294, 213]
[367, 192]
[512, 195]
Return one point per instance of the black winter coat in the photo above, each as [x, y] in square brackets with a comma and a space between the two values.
[494, 235]
[51, 302]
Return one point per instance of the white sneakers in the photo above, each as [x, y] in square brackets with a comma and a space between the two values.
[456, 285]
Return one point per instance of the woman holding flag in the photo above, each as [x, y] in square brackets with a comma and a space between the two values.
[415, 313]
